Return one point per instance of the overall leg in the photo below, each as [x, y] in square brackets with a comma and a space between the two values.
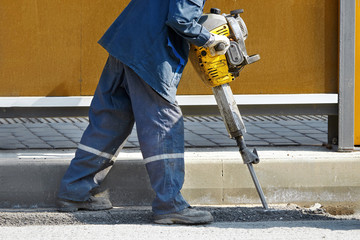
[160, 131]
[110, 123]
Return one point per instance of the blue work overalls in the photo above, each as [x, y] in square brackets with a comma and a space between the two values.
[148, 47]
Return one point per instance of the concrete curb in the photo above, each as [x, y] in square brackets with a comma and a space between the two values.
[215, 176]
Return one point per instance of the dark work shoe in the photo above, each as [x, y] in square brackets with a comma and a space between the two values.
[188, 216]
[92, 204]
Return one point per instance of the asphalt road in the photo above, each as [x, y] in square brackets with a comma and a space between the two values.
[321, 229]
[245, 222]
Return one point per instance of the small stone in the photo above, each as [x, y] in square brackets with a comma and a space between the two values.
[315, 207]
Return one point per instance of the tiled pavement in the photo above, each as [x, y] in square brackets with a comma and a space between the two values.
[200, 131]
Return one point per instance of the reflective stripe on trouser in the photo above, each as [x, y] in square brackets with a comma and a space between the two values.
[120, 99]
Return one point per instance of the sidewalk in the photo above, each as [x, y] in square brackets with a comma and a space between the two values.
[294, 165]
[65, 133]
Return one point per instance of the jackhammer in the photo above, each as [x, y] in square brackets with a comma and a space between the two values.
[218, 71]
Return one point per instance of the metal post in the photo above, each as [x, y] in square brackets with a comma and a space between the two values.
[347, 75]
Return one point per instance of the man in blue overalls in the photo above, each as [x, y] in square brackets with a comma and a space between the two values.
[148, 46]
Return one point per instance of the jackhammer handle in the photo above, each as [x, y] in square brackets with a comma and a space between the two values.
[220, 47]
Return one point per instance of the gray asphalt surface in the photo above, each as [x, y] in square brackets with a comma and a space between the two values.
[246, 222]
[343, 229]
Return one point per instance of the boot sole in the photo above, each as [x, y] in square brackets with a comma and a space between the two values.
[185, 221]
[75, 209]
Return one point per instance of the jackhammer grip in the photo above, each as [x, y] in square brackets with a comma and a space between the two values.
[220, 47]
[253, 58]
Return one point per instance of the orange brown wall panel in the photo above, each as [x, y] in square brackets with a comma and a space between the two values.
[49, 48]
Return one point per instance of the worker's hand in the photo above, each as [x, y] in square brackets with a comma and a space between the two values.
[218, 44]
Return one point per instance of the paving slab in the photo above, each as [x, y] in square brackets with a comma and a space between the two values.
[266, 130]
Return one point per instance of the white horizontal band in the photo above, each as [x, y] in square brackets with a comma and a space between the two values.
[261, 99]
[183, 100]
[81, 101]
[96, 152]
[163, 157]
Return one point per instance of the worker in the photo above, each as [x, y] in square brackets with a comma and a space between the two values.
[148, 46]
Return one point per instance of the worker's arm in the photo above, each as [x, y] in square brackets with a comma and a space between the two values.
[183, 19]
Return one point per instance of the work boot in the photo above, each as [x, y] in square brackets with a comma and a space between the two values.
[92, 204]
[188, 216]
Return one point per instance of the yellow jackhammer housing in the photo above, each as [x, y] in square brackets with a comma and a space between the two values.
[218, 70]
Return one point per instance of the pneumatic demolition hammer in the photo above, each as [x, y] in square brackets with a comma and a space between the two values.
[218, 71]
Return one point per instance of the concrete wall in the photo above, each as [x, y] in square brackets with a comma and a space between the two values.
[49, 48]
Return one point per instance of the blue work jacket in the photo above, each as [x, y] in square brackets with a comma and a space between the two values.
[152, 37]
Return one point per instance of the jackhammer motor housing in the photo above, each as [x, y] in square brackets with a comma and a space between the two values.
[218, 70]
